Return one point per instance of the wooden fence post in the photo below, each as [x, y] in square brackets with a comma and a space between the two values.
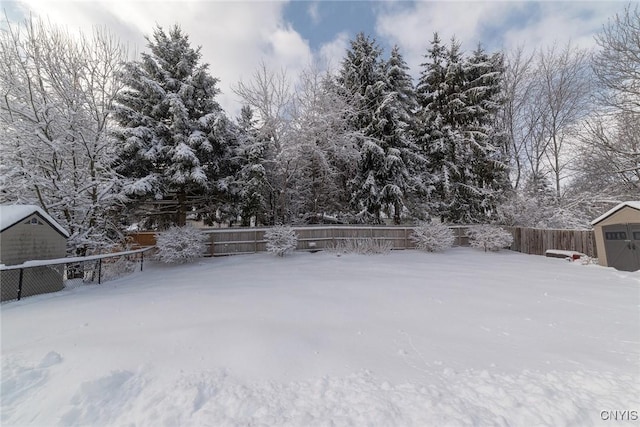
[212, 245]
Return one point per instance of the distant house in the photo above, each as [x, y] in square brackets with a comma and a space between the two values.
[617, 234]
[28, 233]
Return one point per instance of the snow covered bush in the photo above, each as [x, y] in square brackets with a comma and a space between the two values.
[112, 269]
[489, 237]
[362, 247]
[433, 237]
[281, 240]
[179, 245]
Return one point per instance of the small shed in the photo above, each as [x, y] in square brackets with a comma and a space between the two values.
[617, 234]
[28, 233]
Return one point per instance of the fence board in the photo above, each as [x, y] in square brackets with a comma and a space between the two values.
[537, 241]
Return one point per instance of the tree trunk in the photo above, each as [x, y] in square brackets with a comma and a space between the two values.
[181, 219]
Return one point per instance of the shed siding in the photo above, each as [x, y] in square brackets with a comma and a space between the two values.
[24, 242]
[626, 215]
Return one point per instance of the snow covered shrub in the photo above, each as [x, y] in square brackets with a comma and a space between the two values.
[489, 237]
[112, 269]
[433, 237]
[179, 245]
[587, 260]
[362, 246]
[281, 240]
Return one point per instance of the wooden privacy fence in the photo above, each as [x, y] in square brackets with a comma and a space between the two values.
[231, 241]
[536, 241]
[238, 241]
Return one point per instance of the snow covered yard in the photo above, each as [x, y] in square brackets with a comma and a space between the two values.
[461, 338]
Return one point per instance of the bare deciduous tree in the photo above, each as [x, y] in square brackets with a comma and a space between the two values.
[565, 92]
[610, 140]
[270, 95]
[57, 93]
[610, 156]
[519, 115]
[617, 65]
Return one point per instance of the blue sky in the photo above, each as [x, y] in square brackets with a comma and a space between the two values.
[236, 36]
[320, 21]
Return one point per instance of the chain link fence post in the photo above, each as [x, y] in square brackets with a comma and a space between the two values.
[20, 283]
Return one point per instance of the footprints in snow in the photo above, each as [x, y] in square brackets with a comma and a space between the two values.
[19, 382]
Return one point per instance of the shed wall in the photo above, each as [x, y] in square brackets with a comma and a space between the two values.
[25, 241]
[625, 215]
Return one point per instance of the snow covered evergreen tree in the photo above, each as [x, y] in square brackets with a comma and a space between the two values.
[439, 95]
[174, 137]
[361, 80]
[251, 183]
[459, 102]
[382, 95]
[489, 170]
[406, 184]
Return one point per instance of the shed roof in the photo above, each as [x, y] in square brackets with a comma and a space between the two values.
[10, 215]
[632, 204]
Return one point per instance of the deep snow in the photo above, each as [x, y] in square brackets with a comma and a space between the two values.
[459, 338]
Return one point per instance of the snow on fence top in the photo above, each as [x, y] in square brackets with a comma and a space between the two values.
[12, 214]
[69, 260]
[631, 204]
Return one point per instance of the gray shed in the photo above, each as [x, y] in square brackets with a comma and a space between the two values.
[28, 233]
[617, 234]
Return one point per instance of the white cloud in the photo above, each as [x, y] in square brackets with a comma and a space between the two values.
[333, 52]
[412, 28]
[313, 12]
[495, 24]
[562, 23]
[288, 47]
[235, 36]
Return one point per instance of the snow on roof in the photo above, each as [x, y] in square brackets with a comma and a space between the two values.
[11, 214]
[632, 204]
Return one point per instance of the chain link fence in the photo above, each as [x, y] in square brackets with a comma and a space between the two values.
[41, 277]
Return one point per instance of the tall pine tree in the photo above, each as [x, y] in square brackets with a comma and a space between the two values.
[439, 135]
[362, 82]
[382, 94]
[252, 185]
[173, 133]
[489, 172]
[459, 100]
[405, 183]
